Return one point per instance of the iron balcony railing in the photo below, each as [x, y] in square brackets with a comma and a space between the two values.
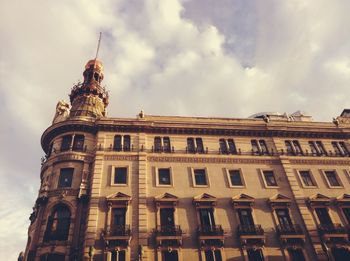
[292, 229]
[250, 230]
[168, 231]
[210, 230]
[332, 229]
[118, 230]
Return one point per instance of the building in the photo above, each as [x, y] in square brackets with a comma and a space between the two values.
[269, 187]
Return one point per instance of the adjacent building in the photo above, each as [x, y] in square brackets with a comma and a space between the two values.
[168, 188]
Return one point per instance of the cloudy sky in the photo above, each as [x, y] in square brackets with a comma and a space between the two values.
[224, 58]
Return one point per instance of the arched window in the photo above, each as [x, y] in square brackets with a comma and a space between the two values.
[58, 224]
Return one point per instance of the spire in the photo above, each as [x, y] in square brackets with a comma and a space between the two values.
[90, 98]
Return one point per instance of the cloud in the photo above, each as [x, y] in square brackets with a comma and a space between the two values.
[169, 57]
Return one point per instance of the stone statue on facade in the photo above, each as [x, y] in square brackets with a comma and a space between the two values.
[62, 111]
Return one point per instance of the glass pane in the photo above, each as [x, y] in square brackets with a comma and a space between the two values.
[117, 143]
[255, 255]
[232, 146]
[199, 177]
[119, 217]
[164, 176]
[336, 148]
[263, 147]
[235, 177]
[166, 143]
[320, 147]
[323, 216]
[332, 178]
[255, 147]
[296, 254]
[245, 217]
[167, 217]
[157, 144]
[270, 178]
[78, 143]
[66, 177]
[297, 147]
[223, 146]
[190, 145]
[120, 175]
[170, 255]
[306, 178]
[118, 255]
[312, 147]
[66, 142]
[127, 145]
[288, 147]
[344, 148]
[200, 148]
[207, 217]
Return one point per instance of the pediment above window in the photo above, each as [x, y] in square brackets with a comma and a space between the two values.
[118, 198]
[279, 200]
[243, 200]
[204, 199]
[166, 199]
[343, 199]
[318, 199]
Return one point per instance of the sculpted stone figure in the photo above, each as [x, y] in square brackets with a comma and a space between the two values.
[62, 111]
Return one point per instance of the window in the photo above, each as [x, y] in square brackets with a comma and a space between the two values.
[323, 216]
[269, 178]
[259, 147]
[66, 177]
[255, 254]
[66, 142]
[118, 221]
[58, 224]
[332, 178]
[293, 147]
[118, 255]
[245, 217]
[206, 216]
[284, 219]
[120, 176]
[164, 176]
[195, 145]
[227, 146]
[170, 255]
[167, 218]
[52, 257]
[162, 144]
[200, 177]
[235, 178]
[296, 254]
[340, 253]
[78, 143]
[340, 148]
[306, 179]
[122, 143]
[317, 148]
[346, 212]
[213, 255]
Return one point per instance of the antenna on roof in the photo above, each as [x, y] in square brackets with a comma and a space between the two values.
[98, 45]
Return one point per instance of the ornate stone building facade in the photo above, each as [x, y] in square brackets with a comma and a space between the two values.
[270, 187]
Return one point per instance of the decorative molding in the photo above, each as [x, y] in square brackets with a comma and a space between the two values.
[120, 157]
[211, 160]
[319, 161]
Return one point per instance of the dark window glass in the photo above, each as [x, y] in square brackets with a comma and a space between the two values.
[336, 148]
[269, 178]
[245, 217]
[213, 255]
[313, 147]
[320, 147]
[58, 224]
[164, 177]
[52, 257]
[190, 145]
[323, 216]
[126, 144]
[284, 218]
[255, 254]
[346, 212]
[78, 143]
[306, 178]
[263, 147]
[118, 255]
[157, 144]
[206, 217]
[340, 254]
[235, 178]
[166, 144]
[296, 254]
[297, 147]
[170, 255]
[119, 217]
[332, 178]
[232, 146]
[289, 147]
[344, 148]
[117, 143]
[167, 217]
[255, 147]
[50, 150]
[66, 142]
[200, 177]
[223, 146]
[120, 175]
[66, 177]
[199, 143]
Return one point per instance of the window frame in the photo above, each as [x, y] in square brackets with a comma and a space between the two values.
[302, 181]
[113, 173]
[59, 178]
[341, 184]
[206, 178]
[157, 177]
[228, 176]
[264, 180]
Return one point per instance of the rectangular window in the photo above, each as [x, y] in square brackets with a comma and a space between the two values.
[255, 254]
[164, 176]
[289, 147]
[284, 219]
[213, 255]
[296, 254]
[332, 178]
[263, 147]
[118, 255]
[167, 218]
[170, 255]
[120, 175]
[306, 178]
[66, 142]
[255, 147]
[245, 217]
[126, 143]
[223, 146]
[340, 148]
[343, 148]
[320, 148]
[66, 177]
[166, 144]
[269, 178]
[117, 143]
[78, 143]
[313, 148]
[232, 146]
[199, 144]
[118, 219]
[200, 177]
[323, 216]
[235, 178]
[346, 212]
[157, 144]
[190, 145]
[259, 147]
[297, 148]
[206, 216]
[336, 148]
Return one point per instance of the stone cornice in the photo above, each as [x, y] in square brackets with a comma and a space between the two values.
[215, 160]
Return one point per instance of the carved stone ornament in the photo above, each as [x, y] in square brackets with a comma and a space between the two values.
[62, 111]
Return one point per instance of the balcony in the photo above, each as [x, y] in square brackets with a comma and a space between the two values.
[212, 236]
[168, 236]
[291, 234]
[333, 232]
[251, 234]
[117, 236]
